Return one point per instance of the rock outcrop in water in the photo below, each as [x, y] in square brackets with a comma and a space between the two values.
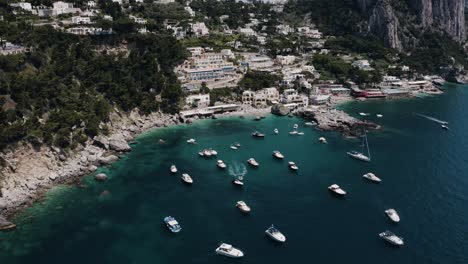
[279, 109]
[5, 224]
[392, 20]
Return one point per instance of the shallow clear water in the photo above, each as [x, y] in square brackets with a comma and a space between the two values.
[423, 168]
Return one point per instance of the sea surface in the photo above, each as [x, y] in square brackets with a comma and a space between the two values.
[423, 167]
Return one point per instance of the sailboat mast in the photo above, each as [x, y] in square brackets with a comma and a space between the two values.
[367, 145]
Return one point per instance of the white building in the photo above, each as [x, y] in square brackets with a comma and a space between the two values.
[59, 8]
[284, 29]
[91, 4]
[247, 32]
[260, 98]
[202, 67]
[363, 65]
[190, 11]
[81, 20]
[164, 1]
[23, 5]
[290, 96]
[259, 63]
[198, 100]
[88, 31]
[138, 20]
[199, 29]
[285, 60]
[261, 40]
[8, 48]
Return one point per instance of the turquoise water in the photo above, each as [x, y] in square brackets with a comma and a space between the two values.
[423, 168]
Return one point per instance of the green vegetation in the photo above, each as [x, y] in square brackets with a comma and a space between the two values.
[257, 80]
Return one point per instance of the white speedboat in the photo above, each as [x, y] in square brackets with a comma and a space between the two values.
[293, 133]
[371, 177]
[292, 166]
[213, 152]
[191, 141]
[233, 147]
[309, 123]
[393, 215]
[335, 188]
[275, 234]
[278, 155]
[322, 140]
[300, 133]
[243, 207]
[205, 153]
[221, 164]
[186, 178]
[237, 145]
[276, 131]
[295, 126]
[257, 134]
[229, 251]
[253, 162]
[238, 181]
[445, 127]
[392, 238]
[379, 115]
[173, 169]
[172, 224]
[363, 114]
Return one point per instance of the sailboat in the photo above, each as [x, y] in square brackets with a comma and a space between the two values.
[360, 155]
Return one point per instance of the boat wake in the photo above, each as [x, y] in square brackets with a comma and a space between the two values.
[432, 119]
[237, 170]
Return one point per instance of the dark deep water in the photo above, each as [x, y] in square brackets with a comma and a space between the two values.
[424, 171]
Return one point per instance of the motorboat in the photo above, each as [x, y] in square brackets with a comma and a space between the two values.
[258, 118]
[295, 126]
[276, 131]
[172, 224]
[243, 207]
[445, 127]
[221, 164]
[173, 169]
[336, 189]
[186, 178]
[205, 153]
[278, 155]
[393, 215]
[213, 152]
[237, 145]
[253, 162]
[392, 238]
[322, 140]
[191, 141]
[379, 115]
[292, 166]
[371, 177]
[258, 134]
[275, 234]
[233, 147]
[229, 251]
[363, 114]
[300, 133]
[309, 123]
[293, 133]
[238, 181]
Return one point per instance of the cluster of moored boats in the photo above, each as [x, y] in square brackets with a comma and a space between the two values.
[272, 232]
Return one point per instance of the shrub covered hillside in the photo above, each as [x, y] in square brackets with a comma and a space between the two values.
[61, 91]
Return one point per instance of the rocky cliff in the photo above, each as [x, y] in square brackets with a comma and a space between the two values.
[395, 20]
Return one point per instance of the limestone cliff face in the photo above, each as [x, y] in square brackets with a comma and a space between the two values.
[441, 15]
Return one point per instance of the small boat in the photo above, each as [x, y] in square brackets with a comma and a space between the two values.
[300, 133]
[173, 169]
[363, 114]
[371, 177]
[258, 134]
[253, 162]
[186, 178]
[192, 141]
[359, 155]
[238, 181]
[379, 115]
[293, 133]
[392, 238]
[221, 164]
[292, 166]
[322, 140]
[275, 234]
[278, 155]
[295, 126]
[213, 152]
[243, 207]
[309, 123]
[393, 215]
[445, 127]
[229, 251]
[205, 153]
[258, 118]
[276, 131]
[336, 189]
[237, 145]
[233, 147]
[172, 224]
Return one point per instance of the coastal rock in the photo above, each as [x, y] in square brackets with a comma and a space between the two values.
[279, 109]
[5, 224]
[108, 159]
[101, 142]
[100, 177]
[53, 176]
[118, 143]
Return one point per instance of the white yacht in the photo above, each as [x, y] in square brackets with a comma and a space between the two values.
[293, 133]
[379, 115]
[300, 133]
[392, 238]
[243, 207]
[253, 162]
[229, 251]
[191, 141]
[205, 153]
[275, 234]
[238, 181]
[371, 177]
[276, 131]
[393, 215]
[323, 140]
[336, 189]
[221, 164]
[173, 169]
[359, 155]
[278, 155]
[292, 166]
[186, 178]
[213, 152]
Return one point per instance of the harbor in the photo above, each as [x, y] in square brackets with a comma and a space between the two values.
[122, 217]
